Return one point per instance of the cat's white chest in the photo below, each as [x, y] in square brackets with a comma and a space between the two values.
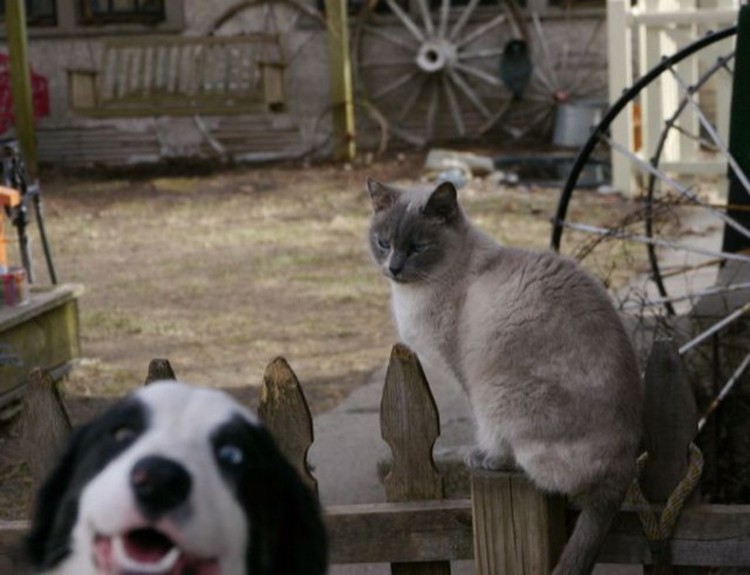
[420, 322]
[411, 311]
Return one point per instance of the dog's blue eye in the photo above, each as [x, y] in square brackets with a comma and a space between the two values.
[123, 434]
[384, 244]
[230, 454]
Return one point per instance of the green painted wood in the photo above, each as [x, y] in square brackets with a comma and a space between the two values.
[20, 81]
[44, 333]
[739, 135]
[342, 92]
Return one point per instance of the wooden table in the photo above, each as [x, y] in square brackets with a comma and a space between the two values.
[45, 332]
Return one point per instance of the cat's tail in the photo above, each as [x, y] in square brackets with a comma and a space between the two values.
[598, 507]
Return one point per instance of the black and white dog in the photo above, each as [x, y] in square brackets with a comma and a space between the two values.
[175, 480]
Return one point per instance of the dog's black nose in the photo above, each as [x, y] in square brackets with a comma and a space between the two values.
[159, 485]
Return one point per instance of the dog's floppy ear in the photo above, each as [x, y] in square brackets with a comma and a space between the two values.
[55, 509]
[287, 534]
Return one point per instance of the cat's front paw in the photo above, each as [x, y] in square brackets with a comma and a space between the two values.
[480, 459]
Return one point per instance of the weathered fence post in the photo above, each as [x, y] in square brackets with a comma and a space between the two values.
[159, 369]
[517, 529]
[284, 411]
[410, 424]
[671, 423]
[44, 427]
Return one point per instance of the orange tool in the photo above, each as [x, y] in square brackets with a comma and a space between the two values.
[9, 198]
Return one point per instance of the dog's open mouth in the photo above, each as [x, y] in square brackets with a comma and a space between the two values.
[148, 551]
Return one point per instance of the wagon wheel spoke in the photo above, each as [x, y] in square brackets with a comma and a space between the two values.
[479, 74]
[406, 21]
[414, 96]
[384, 63]
[619, 234]
[726, 388]
[424, 9]
[479, 54]
[542, 39]
[390, 38]
[495, 118]
[710, 129]
[537, 118]
[480, 31]
[694, 295]
[682, 191]
[463, 19]
[544, 79]
[469, 93]
[432, 110]
[455, 109]
[395, 85]
[582, 79]
[445, 7]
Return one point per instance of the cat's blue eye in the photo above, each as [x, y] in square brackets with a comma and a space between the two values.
[384, 244]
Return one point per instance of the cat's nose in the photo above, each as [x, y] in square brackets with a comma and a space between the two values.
[396, 264]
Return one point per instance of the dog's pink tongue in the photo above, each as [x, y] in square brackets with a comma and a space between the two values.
[147, 546]
[144, 551]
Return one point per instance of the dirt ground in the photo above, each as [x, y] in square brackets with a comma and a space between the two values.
[222, 271]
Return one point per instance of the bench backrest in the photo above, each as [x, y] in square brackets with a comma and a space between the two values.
[179, 75]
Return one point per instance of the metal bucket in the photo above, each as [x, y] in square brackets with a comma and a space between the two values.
[574, 122]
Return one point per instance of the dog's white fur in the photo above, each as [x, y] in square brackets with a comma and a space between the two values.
[212, 525]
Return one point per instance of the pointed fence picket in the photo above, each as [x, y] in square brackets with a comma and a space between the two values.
[508, 527]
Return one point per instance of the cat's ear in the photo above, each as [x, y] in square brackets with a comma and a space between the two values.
[383, 197]
[443, 203]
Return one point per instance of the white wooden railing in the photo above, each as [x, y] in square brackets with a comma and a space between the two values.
[639, 36]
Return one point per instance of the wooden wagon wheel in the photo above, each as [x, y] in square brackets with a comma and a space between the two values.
[446, 74]
[292, 24]
[570, 66]
[434, 75]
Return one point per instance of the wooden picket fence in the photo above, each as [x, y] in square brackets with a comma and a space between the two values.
[507, 527]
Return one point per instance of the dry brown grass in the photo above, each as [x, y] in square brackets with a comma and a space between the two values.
[220, 273]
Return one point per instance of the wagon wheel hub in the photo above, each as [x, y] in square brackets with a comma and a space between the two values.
[436, 54]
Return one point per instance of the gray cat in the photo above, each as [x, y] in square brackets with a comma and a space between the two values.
[535, 342]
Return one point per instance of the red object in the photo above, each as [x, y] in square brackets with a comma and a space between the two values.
[39, 95]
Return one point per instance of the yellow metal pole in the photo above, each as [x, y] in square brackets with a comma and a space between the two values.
[342, 99]
[20, 81]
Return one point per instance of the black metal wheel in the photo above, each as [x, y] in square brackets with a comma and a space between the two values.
[663, 203]
[666, 258]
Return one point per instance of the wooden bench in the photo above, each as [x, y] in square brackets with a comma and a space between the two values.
[181, 76]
